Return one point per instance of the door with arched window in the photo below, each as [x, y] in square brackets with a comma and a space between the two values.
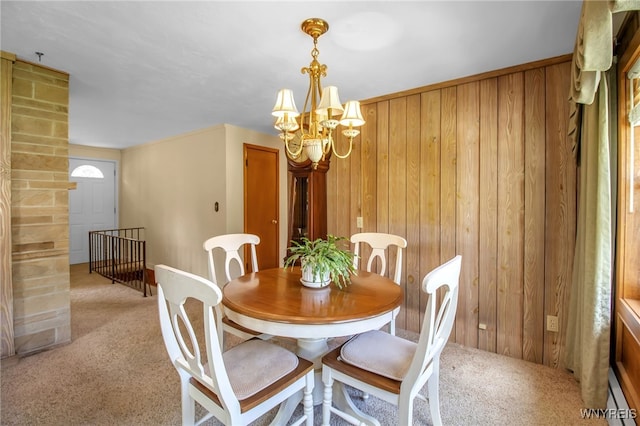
[92, 205]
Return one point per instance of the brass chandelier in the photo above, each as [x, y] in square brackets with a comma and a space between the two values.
[312, 130]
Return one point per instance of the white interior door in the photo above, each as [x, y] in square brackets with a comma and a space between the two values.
[92, 205]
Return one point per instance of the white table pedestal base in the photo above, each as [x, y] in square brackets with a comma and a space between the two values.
[313, 350]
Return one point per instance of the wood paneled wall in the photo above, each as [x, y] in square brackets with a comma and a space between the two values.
[480, 167]
[7, 347]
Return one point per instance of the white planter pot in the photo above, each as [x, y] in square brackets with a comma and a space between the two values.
[311, 281]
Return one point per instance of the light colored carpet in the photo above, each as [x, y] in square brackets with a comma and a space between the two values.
[116, 372]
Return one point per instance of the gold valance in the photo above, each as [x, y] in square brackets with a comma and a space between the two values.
[593, 53]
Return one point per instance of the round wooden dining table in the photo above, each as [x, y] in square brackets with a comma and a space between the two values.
[274, 301]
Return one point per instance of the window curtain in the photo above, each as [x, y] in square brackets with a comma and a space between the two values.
[589, 320]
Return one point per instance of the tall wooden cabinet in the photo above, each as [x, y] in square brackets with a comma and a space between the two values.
[308, 199]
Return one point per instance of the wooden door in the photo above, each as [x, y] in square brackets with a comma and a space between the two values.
[261, 202]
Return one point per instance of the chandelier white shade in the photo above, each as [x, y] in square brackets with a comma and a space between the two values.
[323, 112]
[285, 105]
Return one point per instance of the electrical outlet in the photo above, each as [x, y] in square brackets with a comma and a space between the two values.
[552, 323]
[359, 223]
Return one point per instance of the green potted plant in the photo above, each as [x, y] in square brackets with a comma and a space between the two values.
[322, 261]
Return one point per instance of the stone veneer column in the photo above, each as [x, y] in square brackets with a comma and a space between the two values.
[40, 207]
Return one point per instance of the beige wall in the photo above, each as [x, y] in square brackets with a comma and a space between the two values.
[92, 152]
[169, 187]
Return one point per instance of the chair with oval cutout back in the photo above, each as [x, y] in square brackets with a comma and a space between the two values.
[230, 244]
[379, 242]
[237, 386]
[398, 373]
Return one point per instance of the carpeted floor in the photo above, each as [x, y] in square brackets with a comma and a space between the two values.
[116, 372]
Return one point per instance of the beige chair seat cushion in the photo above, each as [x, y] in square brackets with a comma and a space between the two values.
[255, 364]
[379, 352]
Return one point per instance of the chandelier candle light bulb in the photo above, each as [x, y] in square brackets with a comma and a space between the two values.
[312, 129]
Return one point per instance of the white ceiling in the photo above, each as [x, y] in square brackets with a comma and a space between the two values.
[145, 70]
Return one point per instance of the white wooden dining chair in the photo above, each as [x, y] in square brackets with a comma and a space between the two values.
[239, 385]
[230, 244]
[399, 372]
[379, 242]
